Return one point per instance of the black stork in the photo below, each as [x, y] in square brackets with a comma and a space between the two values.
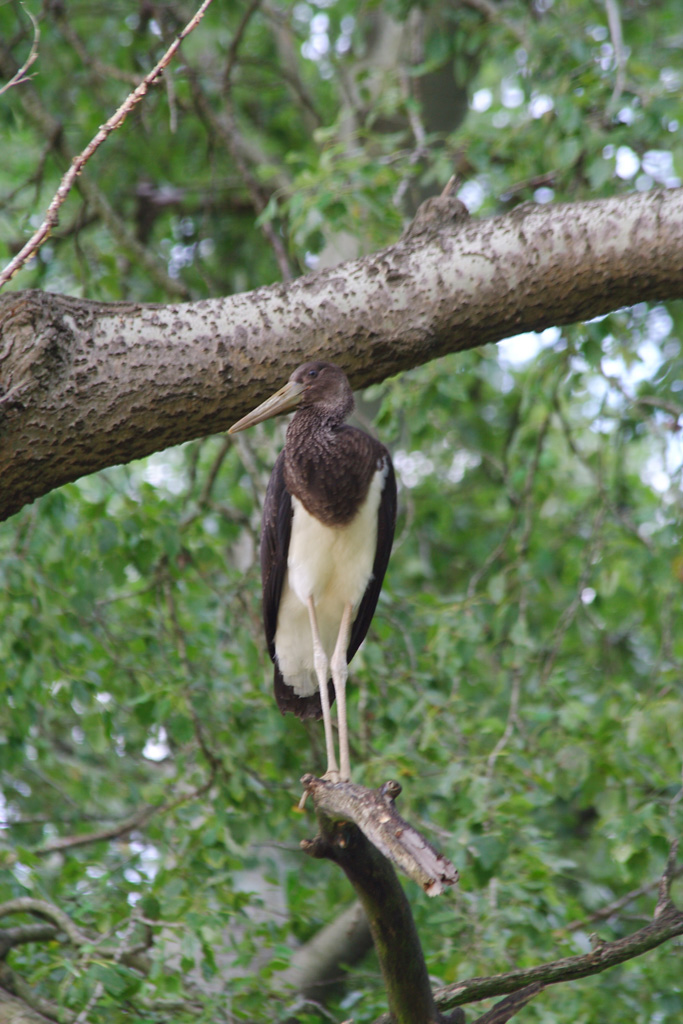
[328, 526]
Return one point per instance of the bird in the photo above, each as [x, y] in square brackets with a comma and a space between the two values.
[328, 527]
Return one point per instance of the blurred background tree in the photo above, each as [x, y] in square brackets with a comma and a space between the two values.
[524, 673]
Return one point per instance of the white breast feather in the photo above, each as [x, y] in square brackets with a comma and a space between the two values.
[334, 565]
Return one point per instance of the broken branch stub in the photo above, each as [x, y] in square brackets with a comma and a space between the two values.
[375, 814]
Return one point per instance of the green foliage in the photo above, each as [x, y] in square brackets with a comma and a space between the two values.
[523, 673]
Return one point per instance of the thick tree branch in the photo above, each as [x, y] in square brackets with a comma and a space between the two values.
[320, 963]
[391, 922]
[88, 385]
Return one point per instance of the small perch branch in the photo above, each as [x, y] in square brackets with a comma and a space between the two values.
[375, 814]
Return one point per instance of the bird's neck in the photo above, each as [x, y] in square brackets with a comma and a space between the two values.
[312, 431]
[328, 466]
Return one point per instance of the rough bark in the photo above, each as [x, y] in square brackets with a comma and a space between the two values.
[15, 1011]
[404, 971]
[375, 814]
[87, 385]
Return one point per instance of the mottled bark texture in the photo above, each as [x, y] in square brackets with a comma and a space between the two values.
[15, 1011]
[85, 385]
[375, 814]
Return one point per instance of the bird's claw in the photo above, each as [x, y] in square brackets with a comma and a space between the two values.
[334, 776]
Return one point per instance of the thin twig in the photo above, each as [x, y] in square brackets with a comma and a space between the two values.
[512, 720]
[236, 40]
[419, 134]
[21, 76]
[512, 1004]
[105, 71]
[79, 162]
[135, 821]
[604, 913]
[614, 23]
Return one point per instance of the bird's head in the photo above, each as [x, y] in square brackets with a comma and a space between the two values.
[313, 385]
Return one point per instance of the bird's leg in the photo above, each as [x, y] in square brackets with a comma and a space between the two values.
[321, 670]
[340, 671]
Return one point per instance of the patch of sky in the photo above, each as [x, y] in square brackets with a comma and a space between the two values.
[163, 471]
[659, 165]
[626, 115]
[544, 194]
[628, 163]
[597, 32]
[540, 105]
[671, 79]
[462, 461]
[511, 95]
[472, 194]
[148, 858]
[156, 748]
[521, 348]
[412, 467]
[481, 100]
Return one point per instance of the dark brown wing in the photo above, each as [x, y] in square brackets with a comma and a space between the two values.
[276, 529]
[386, 523]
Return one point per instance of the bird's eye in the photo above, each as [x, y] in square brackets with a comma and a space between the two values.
[312, 373]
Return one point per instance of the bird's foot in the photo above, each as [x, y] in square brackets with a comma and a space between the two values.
[332, 777]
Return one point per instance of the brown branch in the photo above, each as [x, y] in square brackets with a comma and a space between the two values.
[61, 922]
[19, 936]
[236, 41]
[17, 1011]
[508, 1007]
[616, 35]
[28, 1007]
[79, 162]
[391, 922]
[75, 401]
[604, 913]
[321, 962]
[665, 882]
[44, 909]
[666, 926]
[226, 130]
[288, 65]
[130, 955]
[375, 814]
[51, 129]
[135, 821]
[101, 70]
[20, 75]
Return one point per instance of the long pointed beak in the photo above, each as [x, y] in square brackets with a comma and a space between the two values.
[284, 400]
